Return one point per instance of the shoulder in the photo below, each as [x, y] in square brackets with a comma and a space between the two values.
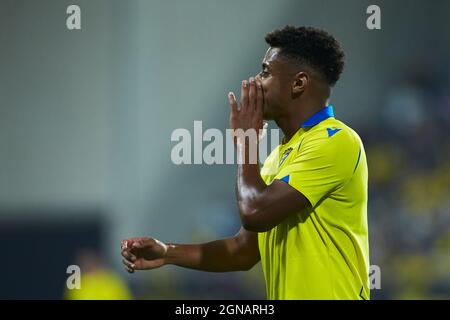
[332, 134]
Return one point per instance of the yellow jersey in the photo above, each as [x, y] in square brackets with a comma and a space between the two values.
[321, 252]
[101, 284]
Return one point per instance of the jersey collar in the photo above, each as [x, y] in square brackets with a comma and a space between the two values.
[319, 116]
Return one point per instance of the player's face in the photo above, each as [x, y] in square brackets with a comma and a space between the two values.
[276, 81]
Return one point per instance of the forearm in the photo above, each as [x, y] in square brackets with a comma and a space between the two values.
[250, 190]
[216, 256]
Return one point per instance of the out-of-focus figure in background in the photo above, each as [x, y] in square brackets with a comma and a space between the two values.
[98, 282]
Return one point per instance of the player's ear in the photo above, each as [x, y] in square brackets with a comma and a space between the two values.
[301, 81]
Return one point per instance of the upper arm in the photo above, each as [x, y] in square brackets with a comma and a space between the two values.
[277, 203]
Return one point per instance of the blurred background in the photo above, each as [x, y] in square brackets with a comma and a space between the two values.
[86, 118]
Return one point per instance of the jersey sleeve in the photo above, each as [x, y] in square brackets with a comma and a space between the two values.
[321, 165]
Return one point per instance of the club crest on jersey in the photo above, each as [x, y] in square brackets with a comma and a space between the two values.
[285, 155]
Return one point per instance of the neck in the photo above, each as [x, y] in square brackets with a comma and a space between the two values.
[290, 124]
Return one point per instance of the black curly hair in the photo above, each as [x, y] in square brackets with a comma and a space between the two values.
[312, 47]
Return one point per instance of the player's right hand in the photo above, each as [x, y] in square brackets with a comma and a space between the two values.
[143, 253]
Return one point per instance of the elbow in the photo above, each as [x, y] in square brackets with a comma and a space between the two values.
[248, 266]
[251, 221]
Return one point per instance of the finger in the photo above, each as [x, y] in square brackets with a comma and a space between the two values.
[127, 243]
[129, 270]
[143, 243]
[259, 100]
[137, 244]
[149, 264]
[252, 95]
[244, 96]
[263, 131]
[129, 264]
[259, 95]
[123, 244]
[130, 241]
[128, 255]
[233, 104]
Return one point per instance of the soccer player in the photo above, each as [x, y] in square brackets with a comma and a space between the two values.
[304, 214]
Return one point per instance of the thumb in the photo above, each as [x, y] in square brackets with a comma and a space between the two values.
[143, 243]
[138, 244]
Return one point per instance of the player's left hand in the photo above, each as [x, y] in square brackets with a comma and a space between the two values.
[249, 114]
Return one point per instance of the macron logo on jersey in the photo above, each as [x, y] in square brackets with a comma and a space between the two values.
[332, 131]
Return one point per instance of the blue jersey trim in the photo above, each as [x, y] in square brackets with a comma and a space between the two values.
[332, 132]
[285, 179]
[357, 162]
[319, 116]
